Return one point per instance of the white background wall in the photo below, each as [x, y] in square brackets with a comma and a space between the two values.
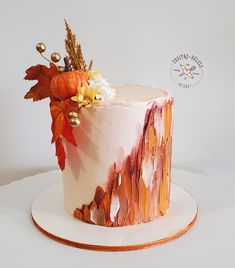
[130, 42]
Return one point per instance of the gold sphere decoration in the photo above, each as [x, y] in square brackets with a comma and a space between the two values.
[40, 47]
[61, 69]
[75, 122]
[73, 115]
[55, 57]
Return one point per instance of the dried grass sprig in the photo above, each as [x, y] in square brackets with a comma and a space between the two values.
[74, 50]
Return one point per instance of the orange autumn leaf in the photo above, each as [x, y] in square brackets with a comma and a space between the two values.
[67, 132]
[60, 127]
[43, 74]
[56, 108]
[60, 153]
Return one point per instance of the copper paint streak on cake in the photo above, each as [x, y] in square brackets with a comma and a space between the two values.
[140, 191]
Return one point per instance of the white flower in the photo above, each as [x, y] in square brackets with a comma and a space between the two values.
[105, 90]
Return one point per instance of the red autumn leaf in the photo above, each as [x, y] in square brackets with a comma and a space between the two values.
[43, 74]
[60, 153]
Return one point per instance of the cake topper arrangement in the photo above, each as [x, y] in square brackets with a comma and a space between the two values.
[70, 88]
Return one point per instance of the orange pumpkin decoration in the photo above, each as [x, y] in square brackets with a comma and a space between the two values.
[66, 84]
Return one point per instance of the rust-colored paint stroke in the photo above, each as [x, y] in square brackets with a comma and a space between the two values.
[140, 191]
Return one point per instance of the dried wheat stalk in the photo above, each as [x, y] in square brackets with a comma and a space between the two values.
[74, 50]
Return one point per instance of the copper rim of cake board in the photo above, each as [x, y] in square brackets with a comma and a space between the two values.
[116, 248]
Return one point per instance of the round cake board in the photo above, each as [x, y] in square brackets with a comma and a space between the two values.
[50, 218]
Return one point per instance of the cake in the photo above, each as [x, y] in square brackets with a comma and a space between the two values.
[120, 173]
[113, 143]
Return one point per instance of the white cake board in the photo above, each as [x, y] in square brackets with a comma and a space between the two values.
[49, 217]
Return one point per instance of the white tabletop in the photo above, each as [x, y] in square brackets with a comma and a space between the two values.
[208, 244]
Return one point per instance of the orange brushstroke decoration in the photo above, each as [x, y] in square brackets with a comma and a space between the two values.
[140, 191]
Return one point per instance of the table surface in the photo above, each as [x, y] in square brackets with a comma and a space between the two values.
[208, 244]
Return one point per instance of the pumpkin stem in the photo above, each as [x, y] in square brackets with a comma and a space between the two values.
[67, 67]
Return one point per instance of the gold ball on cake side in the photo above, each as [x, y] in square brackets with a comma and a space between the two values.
[74, 122]
[73, 115]
[41, 47]
[55, 57]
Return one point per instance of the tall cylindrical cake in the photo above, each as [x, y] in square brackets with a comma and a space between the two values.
[120, 172]
[112, 144]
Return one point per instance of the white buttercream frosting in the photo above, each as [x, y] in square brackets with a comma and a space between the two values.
[139, 93]
[104, 130]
